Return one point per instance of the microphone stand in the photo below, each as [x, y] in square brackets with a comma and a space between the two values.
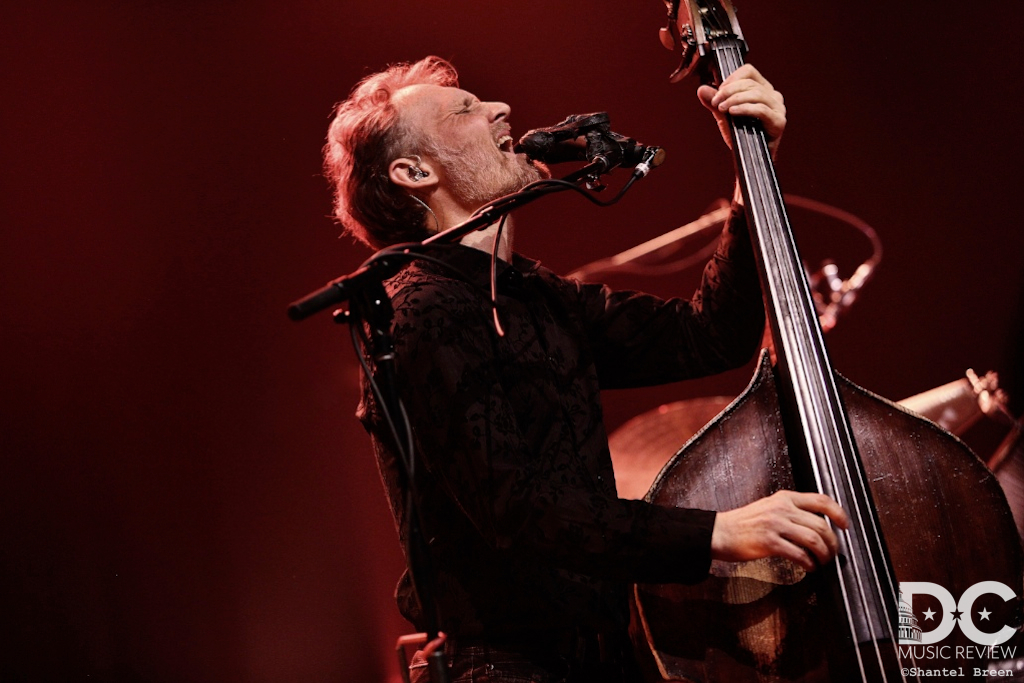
[369, 304]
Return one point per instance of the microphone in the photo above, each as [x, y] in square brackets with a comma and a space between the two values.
[540, 147]
[561, 142]
[587, 137]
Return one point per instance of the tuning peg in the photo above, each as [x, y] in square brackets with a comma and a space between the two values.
[680, 37]
[667, 39]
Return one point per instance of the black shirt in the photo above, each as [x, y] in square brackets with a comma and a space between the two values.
[519, 499]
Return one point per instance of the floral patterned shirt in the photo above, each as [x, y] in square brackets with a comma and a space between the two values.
[519, 503]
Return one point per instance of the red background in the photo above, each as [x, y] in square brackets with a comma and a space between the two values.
[184, 492]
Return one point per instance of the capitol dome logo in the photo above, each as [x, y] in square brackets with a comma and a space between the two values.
[910, 632]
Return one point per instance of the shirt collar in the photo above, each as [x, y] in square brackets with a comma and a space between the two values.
[476, 264]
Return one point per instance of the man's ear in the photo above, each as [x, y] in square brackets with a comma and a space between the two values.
[412, 173]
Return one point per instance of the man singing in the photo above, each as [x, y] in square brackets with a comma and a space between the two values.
[533, 550]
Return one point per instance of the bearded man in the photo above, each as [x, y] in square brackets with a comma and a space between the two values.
[533, 550]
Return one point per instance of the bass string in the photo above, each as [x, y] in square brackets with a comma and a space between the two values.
[761, 183]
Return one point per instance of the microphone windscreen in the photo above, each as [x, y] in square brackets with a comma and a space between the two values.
[542, 146]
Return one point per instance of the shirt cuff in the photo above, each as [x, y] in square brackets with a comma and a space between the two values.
[680, 541]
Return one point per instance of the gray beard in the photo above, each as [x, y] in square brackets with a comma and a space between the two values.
[472, 188]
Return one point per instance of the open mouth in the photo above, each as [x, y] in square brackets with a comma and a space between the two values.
[505, 143]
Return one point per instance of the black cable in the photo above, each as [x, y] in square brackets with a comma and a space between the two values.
[359, 342]
[550, 185]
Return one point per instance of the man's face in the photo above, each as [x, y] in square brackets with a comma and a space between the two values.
[470, 140]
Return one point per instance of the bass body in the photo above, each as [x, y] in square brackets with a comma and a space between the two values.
[922, 507]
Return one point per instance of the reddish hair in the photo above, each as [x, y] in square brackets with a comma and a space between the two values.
[364, 137]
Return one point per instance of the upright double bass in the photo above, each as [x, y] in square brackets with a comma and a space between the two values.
[924, 509]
